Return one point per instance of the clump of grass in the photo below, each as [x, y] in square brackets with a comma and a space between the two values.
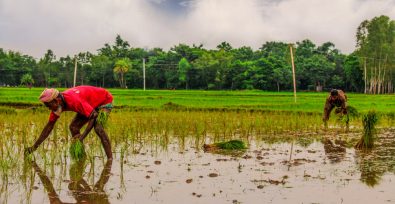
[231, 145]
[77, 150]
[172, 106]
[7, 110]
[390, 117]
[228, 145]
[102, 118]
[369, 121]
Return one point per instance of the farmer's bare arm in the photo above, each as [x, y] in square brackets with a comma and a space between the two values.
[327, 110]
[344, 106]
[44, 134]
[91, 123]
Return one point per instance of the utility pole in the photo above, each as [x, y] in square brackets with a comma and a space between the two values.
[75, 70]
[366, 78]
[144, 72]
[293, 71]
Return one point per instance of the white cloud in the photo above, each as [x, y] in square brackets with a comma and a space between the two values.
[71, 26]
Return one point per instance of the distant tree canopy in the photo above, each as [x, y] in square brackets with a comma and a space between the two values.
[370, 68]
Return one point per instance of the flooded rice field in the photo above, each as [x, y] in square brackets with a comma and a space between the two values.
[165, 166]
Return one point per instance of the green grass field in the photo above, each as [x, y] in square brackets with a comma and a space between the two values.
[214, 100]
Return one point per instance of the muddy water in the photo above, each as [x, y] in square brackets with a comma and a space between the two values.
[323, 172]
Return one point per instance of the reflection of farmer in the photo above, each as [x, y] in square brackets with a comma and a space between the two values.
[81, 190]
[86, 101]
[335, 152]
[337, 98]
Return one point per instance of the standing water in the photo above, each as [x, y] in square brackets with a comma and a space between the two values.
[287, 172]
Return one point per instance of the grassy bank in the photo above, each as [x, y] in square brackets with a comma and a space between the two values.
[214, 100]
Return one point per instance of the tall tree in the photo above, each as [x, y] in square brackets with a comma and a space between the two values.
[27, 80]
[353, 73]
[121, 67]
[101, 75]
[375, 47]
[183, 68]
[224, 46]
[49, 69]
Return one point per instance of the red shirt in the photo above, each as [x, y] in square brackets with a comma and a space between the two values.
[83, 100]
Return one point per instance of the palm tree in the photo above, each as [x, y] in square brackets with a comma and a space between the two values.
[121, 67]
[27, 80]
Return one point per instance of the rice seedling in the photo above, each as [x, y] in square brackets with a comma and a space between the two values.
[369, 121]
[352, 113]
[102, 118]
[133, 130]
[77, 150]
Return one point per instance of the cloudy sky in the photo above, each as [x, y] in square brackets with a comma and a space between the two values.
[72, 26]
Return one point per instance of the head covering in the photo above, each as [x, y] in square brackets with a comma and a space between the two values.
[334, 92]
[48, 95]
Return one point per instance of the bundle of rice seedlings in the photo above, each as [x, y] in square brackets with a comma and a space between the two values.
[102, 118]
[352, 113]
[229, 145]
[369, 121]
[77, 150]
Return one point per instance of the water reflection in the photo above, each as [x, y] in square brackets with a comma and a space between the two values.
[79, 188]
[378, 161]
[371, 172]
[335, 152]
[218, 178]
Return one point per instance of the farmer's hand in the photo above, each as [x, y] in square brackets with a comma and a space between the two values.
[75, 138]
[29, 150]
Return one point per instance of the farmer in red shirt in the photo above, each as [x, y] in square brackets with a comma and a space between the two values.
[86, 101]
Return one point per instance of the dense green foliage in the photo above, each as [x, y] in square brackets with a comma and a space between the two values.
[185, 67]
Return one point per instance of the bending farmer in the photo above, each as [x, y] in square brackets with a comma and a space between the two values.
[86, 101]
[336, 98]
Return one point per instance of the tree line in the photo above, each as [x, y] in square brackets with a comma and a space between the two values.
[369, 69]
